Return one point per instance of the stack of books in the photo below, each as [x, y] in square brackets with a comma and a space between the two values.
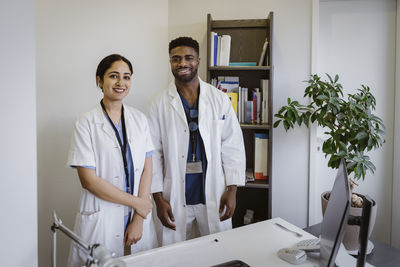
[250, 105]
[220, 49]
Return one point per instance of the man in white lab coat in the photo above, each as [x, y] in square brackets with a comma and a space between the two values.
[199, 157]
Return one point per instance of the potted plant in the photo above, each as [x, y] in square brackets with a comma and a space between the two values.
[352, 129]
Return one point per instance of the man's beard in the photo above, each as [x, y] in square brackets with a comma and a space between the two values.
[185, 78]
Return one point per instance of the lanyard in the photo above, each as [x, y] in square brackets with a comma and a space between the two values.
[122, 146]
[193, 133]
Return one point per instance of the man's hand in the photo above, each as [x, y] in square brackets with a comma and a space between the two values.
[134, 230]
[228, 201]
[164, 211]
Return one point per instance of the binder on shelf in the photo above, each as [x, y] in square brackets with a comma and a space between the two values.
[260, 156]
[225, 50]
[218, 55]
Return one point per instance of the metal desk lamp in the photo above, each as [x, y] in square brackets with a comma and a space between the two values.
[97, 255]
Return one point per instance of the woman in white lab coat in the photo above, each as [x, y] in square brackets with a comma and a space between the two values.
[111, 149]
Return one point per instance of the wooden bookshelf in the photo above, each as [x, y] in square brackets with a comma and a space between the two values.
[247, 40]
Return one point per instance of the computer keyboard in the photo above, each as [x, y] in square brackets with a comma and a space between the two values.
[308, 244]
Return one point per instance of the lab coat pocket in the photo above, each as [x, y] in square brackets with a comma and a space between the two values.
[89, 226]
[89, 229]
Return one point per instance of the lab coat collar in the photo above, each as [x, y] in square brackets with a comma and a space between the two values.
[99, 118]
[176, 102]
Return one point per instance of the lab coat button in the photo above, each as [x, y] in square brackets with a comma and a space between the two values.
[117, 236]
[184, 205]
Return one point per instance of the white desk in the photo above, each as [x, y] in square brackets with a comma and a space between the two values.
[255, 244]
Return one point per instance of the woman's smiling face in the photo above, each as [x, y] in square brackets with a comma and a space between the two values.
[116, 81]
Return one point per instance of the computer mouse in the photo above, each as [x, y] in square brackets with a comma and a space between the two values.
[292, 255]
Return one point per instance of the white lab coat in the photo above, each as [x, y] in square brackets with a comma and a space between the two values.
[223, 143]
[94, 144]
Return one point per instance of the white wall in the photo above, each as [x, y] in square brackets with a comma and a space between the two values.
[396, 148]
[292, 58]
[18, 197]
[72, 38]
[357, 41]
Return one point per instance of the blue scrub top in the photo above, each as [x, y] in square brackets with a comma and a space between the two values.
[195, 182]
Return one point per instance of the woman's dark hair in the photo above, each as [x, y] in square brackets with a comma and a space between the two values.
[106, 63]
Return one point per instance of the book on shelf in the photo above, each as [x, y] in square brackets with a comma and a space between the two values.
[264, 108]
[242, 64]
[233, 96]
[260, 156]
[249, 175]
[226, 83]
[227, 86]
[257, 105]
[264, 54]
[213, 48]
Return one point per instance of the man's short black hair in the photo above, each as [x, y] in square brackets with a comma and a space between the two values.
[184, 41]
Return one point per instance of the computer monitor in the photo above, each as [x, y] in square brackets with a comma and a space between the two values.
[335, 218]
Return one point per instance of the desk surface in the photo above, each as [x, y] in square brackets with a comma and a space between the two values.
[255, 244]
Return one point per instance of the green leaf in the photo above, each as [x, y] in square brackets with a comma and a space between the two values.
[277, 123]
[286, 125]
[361, 135]
[322, 97]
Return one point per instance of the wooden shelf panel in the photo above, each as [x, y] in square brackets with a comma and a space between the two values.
[239, 23]
[257, 184]
[255, 126]
[262, 68]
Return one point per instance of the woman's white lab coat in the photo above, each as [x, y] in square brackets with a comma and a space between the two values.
[94, 144]
[223, 143]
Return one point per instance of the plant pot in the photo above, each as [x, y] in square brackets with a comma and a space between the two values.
[351, 232]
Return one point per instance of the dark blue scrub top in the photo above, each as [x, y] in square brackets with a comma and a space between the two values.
[195, 183]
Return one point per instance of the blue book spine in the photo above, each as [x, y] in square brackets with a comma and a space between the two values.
[215, 49]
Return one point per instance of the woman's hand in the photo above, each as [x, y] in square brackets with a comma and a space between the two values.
[143, 206]
[134, 230]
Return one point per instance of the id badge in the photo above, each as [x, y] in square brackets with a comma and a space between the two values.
[194, 167]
